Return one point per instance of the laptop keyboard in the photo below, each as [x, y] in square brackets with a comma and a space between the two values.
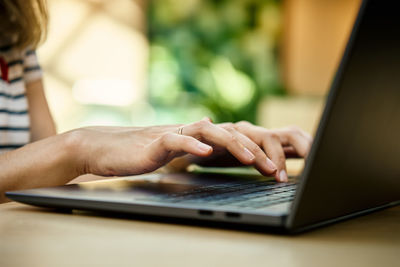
[244, 195]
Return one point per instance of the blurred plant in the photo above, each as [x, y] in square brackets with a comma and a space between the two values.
[215, 57]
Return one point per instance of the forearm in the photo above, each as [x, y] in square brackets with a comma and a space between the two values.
[49, 162]
[42, 123]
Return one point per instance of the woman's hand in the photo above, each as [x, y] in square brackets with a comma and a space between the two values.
[267, 145]
[118, 151]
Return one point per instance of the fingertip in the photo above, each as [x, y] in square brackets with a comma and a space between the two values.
[282, 176]
[276, 176]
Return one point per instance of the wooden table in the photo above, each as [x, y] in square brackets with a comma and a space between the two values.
[32, 236]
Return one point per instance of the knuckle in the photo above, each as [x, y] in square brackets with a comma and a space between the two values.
[257, 150]
[293, 133]
[253, 147]
[197, 124]
[231, 142]
[243, 124]
[165, 138]
[273, 136]
[229, 126]
[232, 139]
[202, 124]
[294, 129]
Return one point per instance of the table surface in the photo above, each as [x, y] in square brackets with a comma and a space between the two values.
[31, 236]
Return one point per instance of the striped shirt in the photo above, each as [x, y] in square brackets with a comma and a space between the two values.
[18, 68]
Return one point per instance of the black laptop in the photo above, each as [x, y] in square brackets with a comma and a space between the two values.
[353, 166]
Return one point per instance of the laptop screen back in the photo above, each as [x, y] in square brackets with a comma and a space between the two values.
[355, 162]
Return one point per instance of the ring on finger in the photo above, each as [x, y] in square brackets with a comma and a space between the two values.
[180, 130]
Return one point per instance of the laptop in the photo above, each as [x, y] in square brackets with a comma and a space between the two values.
[353, 166]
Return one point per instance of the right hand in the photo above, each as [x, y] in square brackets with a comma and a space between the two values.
[119, 151]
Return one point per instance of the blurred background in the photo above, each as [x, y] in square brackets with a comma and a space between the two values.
[138, 62]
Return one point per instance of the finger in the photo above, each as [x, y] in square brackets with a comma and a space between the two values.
[262, 163]
[274, 150]
[290, 152]
[290, 136]
[306, 135]
[270, 143]
[216, 135]
[300, 141]
[170, 145]
[255, 133]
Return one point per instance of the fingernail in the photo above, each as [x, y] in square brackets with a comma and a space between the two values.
[248, 154]
[283, 176]
[203, 147]
[271, 165]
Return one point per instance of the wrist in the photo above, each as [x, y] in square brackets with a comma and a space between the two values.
[73, 143]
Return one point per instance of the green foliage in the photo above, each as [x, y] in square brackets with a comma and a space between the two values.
[216, 57]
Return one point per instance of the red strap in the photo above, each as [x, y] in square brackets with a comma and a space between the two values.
[4, 69]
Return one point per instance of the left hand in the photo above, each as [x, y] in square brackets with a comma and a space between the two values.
[276, 145]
